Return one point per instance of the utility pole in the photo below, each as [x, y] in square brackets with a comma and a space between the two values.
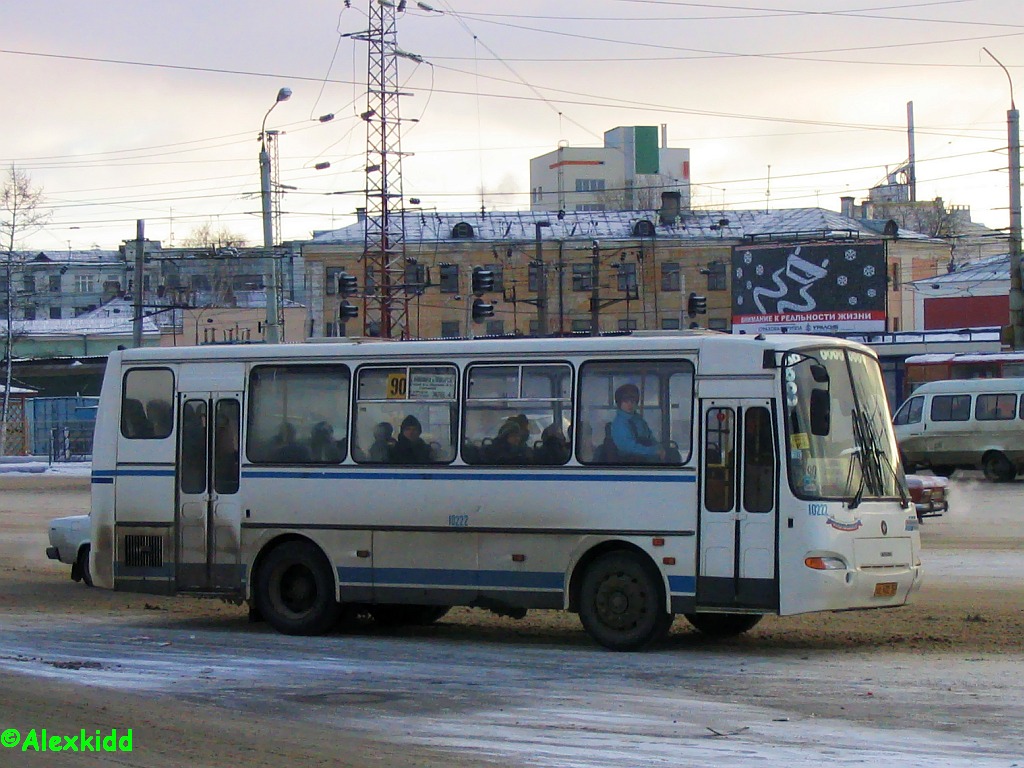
[595, 290]
[1013, 143]
[542, 283]
[140, 266]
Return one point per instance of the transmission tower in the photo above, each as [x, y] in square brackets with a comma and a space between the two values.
[384, 241]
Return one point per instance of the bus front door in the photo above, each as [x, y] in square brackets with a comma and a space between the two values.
[209, 512]
[738, 518]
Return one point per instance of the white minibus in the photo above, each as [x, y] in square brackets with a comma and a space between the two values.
[964, 424]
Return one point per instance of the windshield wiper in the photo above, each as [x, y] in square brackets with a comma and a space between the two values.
[873, 461]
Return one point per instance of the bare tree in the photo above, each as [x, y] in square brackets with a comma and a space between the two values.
[205, 236]
[19, 215]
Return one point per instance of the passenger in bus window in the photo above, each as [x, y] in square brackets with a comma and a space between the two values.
[410, 448]
[633, 438]
[508, 447]
[323, 447]
[158, 412]
[134, 422]
[285, 448]
[553, 448]
[383, 442]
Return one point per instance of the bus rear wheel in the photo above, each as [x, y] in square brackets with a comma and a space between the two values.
[721, 625]
[944, 470]
[295, 590]
[622, 603]
[998, 468]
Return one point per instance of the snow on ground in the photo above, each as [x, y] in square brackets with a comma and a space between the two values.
[41, 465]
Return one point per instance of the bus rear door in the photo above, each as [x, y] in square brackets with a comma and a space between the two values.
[738, 517]
[209, 511]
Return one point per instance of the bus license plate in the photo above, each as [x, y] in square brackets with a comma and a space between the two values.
[885, 589]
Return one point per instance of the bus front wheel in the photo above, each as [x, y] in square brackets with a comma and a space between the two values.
[722, 625]
[622, 605]
[295, 590]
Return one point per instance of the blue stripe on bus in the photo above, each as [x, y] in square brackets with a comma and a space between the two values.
[471, 476]
[107, 476]
[418, 577]
[684, 585]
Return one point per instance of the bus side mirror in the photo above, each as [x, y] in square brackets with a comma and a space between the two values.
[821, 412]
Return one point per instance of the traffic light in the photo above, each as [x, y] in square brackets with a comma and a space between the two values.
[697, 305]
[482, 310]
[483, 281]
[347, 284]
[347, 311]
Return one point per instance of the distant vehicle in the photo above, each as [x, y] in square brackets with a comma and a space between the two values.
[930, 494]
[69, 543]
[964, 424]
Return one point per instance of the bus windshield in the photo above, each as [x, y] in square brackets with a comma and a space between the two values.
[841, 443]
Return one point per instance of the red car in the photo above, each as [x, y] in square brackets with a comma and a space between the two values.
[930, 494]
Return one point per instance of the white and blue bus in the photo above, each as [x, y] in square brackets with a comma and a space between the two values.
[627, 479]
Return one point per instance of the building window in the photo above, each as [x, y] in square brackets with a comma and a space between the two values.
[583, 277]
[534, 271]
[450, 329]
[30, 312]
[83, 283]
[54, 283]
[449, 278]
[716, 276]
[590, 185]
[670, 324]
[590, 207]
[28, 283]
[462, 231]
[627, 278]
[627, 323]
[534, 327]
[55, 313]
[495, 327]
[895, 277]
[538, 194]
[670, 276]
[581, 326]
[415, 279]
[718, 324]
[499, 276]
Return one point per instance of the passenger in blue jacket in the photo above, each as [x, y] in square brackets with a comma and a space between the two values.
[633, 438]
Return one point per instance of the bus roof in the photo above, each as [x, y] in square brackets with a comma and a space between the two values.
[651, 342]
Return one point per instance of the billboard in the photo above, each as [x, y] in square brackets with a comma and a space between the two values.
[809, 288]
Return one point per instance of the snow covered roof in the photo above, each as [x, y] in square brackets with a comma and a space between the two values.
[613, 225]
[989, 268]
[80, 326]
[93, 256]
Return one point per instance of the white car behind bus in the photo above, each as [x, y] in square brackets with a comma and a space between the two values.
[69, 543]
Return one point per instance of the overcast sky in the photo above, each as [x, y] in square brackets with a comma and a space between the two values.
[125, 110]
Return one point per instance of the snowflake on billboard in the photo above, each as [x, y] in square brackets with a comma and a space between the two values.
[842, 280]
[851, 254]
[748, 258]
[853, 301]
[869, 271]
[760, 269]
[872, 293]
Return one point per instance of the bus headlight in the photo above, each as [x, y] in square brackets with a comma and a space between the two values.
[825, 563]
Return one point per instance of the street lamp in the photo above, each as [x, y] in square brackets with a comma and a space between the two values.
[1016, 291]
[274, 287]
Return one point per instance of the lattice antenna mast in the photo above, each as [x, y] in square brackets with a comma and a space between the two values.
[384, 242]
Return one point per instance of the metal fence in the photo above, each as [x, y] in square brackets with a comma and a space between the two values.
[62, 427]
